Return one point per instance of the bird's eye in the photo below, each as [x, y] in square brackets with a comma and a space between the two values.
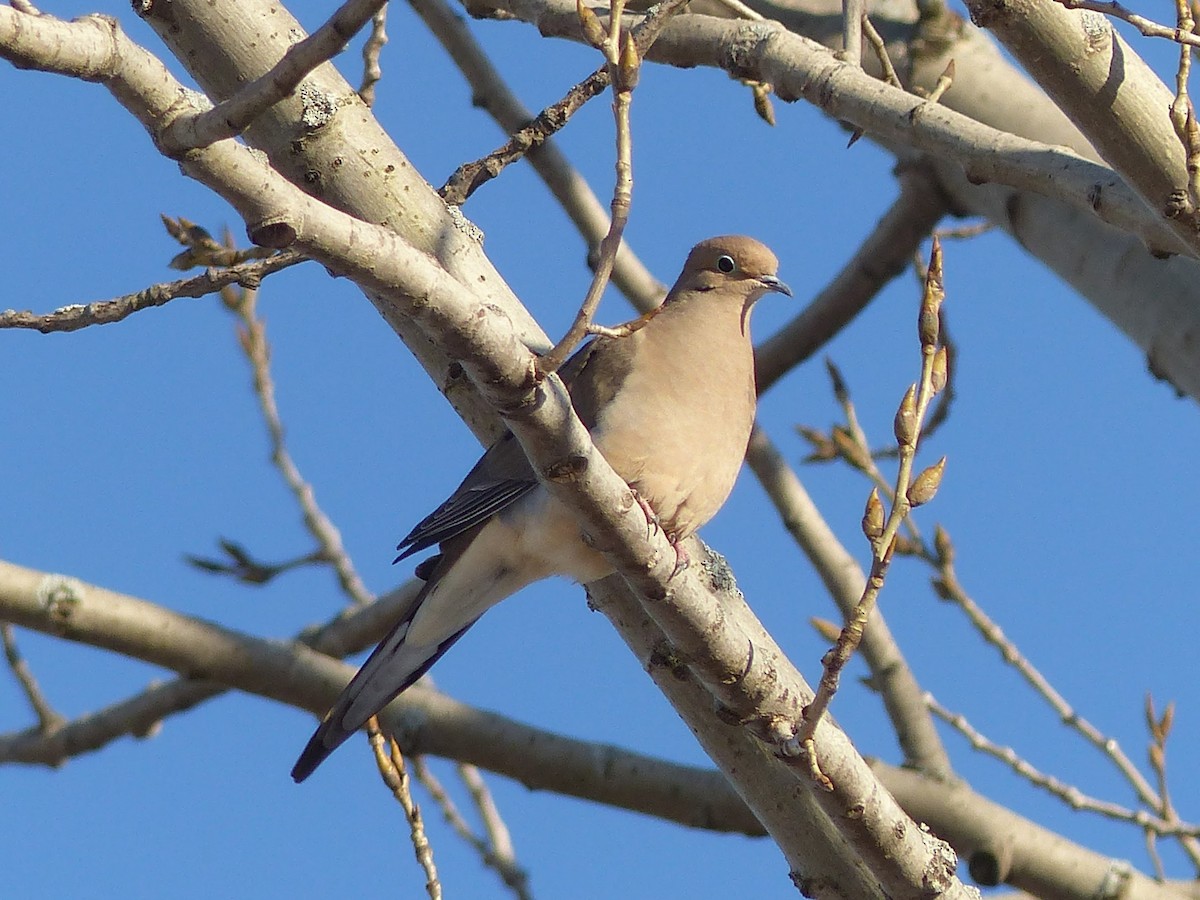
[726, 264]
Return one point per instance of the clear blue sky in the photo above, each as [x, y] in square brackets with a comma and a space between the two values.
[1070, 491]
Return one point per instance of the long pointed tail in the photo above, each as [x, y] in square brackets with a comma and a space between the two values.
[390, 669]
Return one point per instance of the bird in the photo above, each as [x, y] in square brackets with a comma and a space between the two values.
[669, 401]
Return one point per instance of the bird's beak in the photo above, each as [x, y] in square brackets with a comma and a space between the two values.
[771, 283]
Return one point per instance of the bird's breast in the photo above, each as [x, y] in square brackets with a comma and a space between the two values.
[678, 433]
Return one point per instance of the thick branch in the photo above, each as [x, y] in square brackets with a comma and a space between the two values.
[231, 117]
[1109, 92]
[799, 69]
[1002, 847]
[212, 657]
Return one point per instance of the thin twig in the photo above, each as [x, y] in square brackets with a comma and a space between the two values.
[391, 769]
[938, 416]
[48, 719]
[231, 117]
[624, 62]
[1183, 114]
[253, 341]
[499, 837]
[568, 186]
[239, 564]
[949, 588]
[879, 45]
[371, 51]
[1160, 731]
[910, 492]
[502, 861]
[964, 232]
[741, 10]
[469, 177]
[891, 675]
[945, 80]
[1068, 793]
[106, 312]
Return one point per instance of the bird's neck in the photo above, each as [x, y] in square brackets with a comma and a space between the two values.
[719, 315]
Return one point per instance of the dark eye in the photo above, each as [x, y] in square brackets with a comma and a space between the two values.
[726, 264]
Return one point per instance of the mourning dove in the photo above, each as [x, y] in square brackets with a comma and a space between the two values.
[669, 403]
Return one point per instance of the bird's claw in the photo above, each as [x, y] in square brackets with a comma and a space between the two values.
[653, 523]
[682, 560]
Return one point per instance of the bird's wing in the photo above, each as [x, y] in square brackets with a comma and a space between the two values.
[594, 375]
[503, 474]
[500, 478]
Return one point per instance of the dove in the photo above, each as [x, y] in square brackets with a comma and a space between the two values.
[669, 401]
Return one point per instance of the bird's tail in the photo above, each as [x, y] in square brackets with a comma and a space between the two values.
[390, 670]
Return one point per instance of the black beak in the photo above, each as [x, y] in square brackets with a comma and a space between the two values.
[771, 283]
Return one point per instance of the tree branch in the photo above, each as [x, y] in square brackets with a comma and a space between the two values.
[1073, 54]
[213, 658]
[799, 69]
[105, 312]
[231, 117]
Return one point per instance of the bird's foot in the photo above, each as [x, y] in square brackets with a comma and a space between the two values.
[682, 560]
[653, 523]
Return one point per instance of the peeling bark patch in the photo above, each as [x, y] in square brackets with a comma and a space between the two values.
[1097, 31]
[568, 469]
[318, 109]
[60, 596]
[744, 49]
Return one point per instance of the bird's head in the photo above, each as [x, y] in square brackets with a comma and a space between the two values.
[731, 263]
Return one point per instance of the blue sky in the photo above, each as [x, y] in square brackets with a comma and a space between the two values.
[1070, 492]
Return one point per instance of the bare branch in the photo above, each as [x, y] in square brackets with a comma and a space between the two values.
[529, 135]
[853, 13]
[1072, 55]
[909, 492]
[879, 46]
[428, 722]
[1068, 793]
[1147, 27]
[253, 341]
[498, 836]
[231, 117]
[1001, 847]
[496, 852]
[242, 566]
[798, 69]
[372, 50]
[624, 62]
[890, 672]
[567, 185]
[106, 312]
[950, 588]
[395, 776]
[49, 720]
